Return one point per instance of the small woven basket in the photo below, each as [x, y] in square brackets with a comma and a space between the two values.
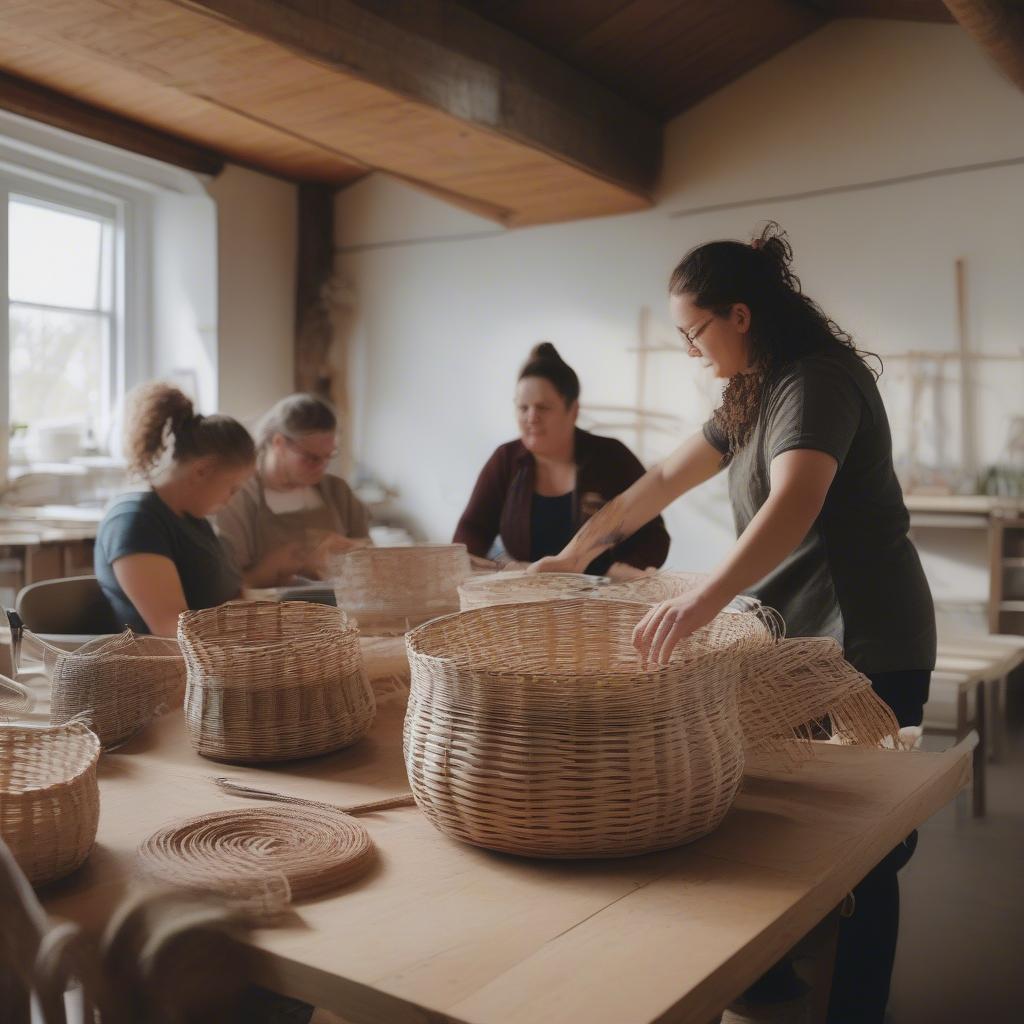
[271, 681]
[518, 587]
[390, 590]
[49, 797]
[533, 729]
[121, 683]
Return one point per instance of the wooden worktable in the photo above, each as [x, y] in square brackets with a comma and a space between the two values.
[441, 931]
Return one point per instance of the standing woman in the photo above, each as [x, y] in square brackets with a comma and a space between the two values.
[293, 513]
[537, 491]
[823, 529]
[155, 554]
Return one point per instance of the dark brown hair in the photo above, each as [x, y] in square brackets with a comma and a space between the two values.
[545, 362]
[785, 324]
[294, 417]
[160, 417]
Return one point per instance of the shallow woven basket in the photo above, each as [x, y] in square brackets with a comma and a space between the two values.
[533, 729]
[49, 797]
[390, 590]
[121, 683]
[517, 587]
[270, 681]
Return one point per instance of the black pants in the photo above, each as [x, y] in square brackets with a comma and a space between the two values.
[867, 939]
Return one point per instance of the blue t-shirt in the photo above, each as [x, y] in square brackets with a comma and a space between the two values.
[141, 523]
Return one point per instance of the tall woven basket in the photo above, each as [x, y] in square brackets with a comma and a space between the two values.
[533, 729]
[271, 681]
[390, 590]
[49, 797]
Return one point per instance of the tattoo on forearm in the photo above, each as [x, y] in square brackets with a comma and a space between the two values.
[603, 530]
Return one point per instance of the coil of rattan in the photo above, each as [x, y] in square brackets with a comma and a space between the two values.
[518, 587]
[390, 590]
[49, 797]
[261, 858]
[121, 683]
[533, 728]
[271, 681]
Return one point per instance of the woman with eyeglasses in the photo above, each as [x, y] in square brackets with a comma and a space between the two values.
[293, 514]
[822, 526]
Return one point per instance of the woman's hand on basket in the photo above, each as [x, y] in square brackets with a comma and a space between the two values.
[658, 632]
[553, 563]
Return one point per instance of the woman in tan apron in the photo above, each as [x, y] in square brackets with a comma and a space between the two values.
[292, 514]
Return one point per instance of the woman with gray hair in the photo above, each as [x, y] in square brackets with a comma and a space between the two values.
[292, 514]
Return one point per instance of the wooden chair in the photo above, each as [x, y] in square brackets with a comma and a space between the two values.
[166, 958]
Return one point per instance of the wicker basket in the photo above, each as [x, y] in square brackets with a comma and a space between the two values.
[49, 797]
[518, 587]
[390, 590]
[533, 729]
[271, 681]
[121, 683]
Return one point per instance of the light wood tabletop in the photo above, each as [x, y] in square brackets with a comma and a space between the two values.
[441, 931]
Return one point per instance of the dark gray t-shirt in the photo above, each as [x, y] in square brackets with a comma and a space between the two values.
[142, 523]
[856, 576]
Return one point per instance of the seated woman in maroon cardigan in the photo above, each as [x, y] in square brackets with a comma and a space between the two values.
[536, 492]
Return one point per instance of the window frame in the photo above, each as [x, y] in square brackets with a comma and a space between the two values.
[130, 211]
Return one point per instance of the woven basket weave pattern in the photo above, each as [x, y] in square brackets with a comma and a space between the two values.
[272, 681]
[517, 587]
[120, 682]
[49, 797]
[532, 729]
[390, 590]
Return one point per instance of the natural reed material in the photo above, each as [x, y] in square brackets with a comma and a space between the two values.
[122, 683]
[15, 699]
[271, 681]
[49, 797]
[390, 590]
[517, 587]
[534, 729]
[261, 859]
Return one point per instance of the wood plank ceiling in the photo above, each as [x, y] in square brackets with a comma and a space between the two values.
[666, 55]
[528, 112]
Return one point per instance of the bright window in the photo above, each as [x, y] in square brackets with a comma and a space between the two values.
[61, 316]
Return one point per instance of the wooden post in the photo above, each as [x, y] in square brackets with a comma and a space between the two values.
[315, 263]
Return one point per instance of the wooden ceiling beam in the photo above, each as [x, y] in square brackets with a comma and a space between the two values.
[20, 96]
[438, 53]
[998, 27]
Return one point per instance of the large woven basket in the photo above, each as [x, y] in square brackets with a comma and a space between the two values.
[533, 728]
[49, 797]
[390, 590]
[517, 587]
[271, 681]
[121, 683]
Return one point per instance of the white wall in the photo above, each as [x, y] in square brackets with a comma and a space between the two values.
[257, 238]
[449, 304]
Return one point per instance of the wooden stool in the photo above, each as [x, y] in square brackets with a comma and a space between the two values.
[965, 692]
[992, 657]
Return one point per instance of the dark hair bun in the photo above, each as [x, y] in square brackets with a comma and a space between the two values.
[545, 350]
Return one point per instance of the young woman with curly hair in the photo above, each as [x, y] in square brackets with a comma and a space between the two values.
[156, 555]
[821, 523]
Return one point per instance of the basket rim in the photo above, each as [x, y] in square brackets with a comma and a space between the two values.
[78, 728]
[659, 674]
